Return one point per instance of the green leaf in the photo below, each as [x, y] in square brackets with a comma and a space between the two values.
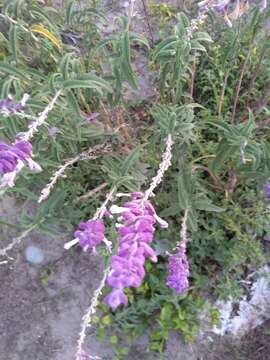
[89, 12]
[106, 320]
[224, 151]
[123, 350]
[64, 65]
[103, 43]
[113, 339]
[135, 37]
[73, 103]
[48, 206]
[166, 313]
[69, 12]
[36, 12]
[95, 83]
[201, 36]
[169, 42]
[172, 210]
[17, 6]
[130, 159]
[192, 221]
[13, 41]
[184, 186]
[126, 64]
[12, 70]
[206, 205]
[162, 77]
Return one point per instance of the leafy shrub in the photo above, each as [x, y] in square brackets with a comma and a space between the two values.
[213, 102]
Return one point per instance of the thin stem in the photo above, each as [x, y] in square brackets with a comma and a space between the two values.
[101, 211]
[256, 72]
[183, 232]
[163, 167]
[20, 25]
[130, 13]
[92, 192]
[148, 23]
[87, 318]
[239, 84]
[217, 182]
[17, 240]
[122, 125]
[89, 154]
[191, 90]
[222, 94]
[33, 128]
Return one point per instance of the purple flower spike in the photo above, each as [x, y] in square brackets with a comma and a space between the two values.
[90, 233]
[266, 188]
[135, 235]
[178, 269]
[10, 155]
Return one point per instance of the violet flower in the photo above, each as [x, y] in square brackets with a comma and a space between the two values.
[92, 116]
[135, 235]
[11, 155]
[13, 158]
[90, 233]
[266, 188]
[178, 269]
[7, 106]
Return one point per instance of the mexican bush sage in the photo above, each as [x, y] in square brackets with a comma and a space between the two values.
[178, 265]
[135, 235]
[90, 233]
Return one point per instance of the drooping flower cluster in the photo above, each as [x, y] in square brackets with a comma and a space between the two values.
[8, 107]
[266, 188]
[13, 158]
[178, 269]
[135, 236]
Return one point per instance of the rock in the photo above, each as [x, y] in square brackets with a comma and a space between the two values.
[34, 254]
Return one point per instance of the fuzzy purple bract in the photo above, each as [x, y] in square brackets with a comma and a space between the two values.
[90, 233]
[11, 154]
[178, 269]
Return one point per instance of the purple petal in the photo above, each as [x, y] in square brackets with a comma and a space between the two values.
[116, 298]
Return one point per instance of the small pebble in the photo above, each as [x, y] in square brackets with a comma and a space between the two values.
[34, 254]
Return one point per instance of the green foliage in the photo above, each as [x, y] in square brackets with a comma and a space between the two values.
[117, 49]
[174, 56]
[153, 309]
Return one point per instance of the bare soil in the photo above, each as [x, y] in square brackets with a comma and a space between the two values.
[42, 306]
